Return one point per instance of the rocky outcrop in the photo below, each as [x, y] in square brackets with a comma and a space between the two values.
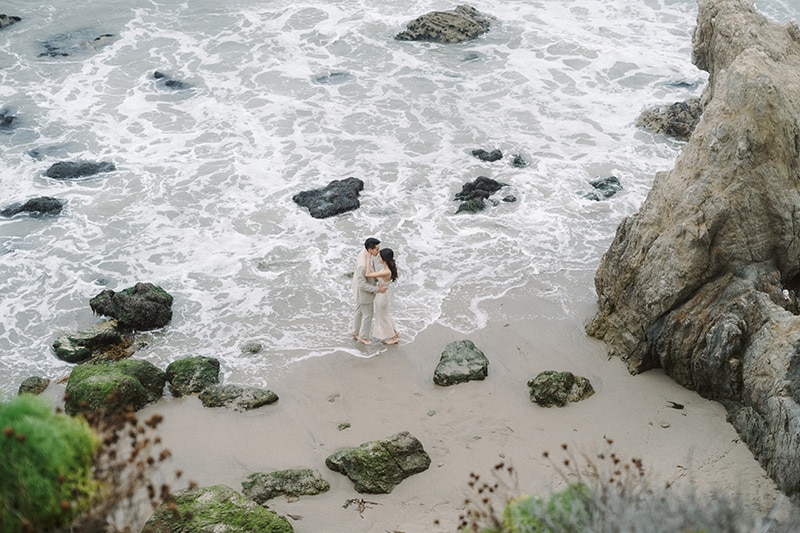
[218, 509]
[261, 487]
[72, 170]
[489, 157]
[339, 196]
[474, 194]
[111, 386]
[460, 362]
[676, 120]
[142, 307]
[192, 375]
[236, 397]
[35, 207]
[604, 188]
[693, 281]
[377, 467]
[462, 24]
[554, 389]
[92, 342]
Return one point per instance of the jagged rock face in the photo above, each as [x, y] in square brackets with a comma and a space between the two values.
[692, 282]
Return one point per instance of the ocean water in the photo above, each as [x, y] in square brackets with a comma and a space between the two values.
[285, 96]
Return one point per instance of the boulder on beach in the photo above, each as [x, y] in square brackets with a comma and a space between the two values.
[33, 385]
[236, 397]
[40, 206]
[192, 375]
[377, 467]
[553, 388]
[676, 120]
[460, 362]
[339, 196]
[72, 170]
[91, 342]
[462, 24]
[214, 509]
[693, 282]
[292, 483]
[111, 386]
[142, 307]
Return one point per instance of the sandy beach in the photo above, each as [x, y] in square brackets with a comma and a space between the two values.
[465, 428]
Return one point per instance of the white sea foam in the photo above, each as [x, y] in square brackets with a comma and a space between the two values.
[287, 96]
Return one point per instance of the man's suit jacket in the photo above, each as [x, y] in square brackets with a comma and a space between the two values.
[364, 288]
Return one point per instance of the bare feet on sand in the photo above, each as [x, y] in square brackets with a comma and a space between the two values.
[393, 340]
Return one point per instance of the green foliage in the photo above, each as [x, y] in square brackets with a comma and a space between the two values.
[560, 511]
[46, 467]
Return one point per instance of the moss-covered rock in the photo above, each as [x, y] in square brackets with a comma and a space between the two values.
[236, 397]
[83, 345]
[377, 467]
[113, 385]
[261, 487]
[34, 385]
[142, 307]
[552, 388]
[460, 361]
[217, 509]
[192, 375]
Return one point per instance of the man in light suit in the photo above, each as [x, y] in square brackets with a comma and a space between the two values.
[364, 290]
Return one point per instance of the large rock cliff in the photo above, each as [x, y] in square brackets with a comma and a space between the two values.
[694, 281]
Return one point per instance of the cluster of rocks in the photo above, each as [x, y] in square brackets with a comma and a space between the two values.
[700, 281]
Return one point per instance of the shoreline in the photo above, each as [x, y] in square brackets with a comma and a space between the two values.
[465, 428]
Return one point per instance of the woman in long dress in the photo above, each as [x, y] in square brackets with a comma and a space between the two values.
[383, 325]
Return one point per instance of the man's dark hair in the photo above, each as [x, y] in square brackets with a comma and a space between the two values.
[371, 243]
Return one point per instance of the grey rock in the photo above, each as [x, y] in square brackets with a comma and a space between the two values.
[293, 483]
[72, 170]
[339, 196]
[377, 467]
[462, 24]
[236, 397]
[142, 307]
[83, 345]
[552, 388]
[36, 207]
[34, 385]
[460, 362]
[8, 20]
[489, 157]
[676, 120]
[604, 188]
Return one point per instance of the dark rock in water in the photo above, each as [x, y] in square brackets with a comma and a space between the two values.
[35, 207]
[510, 198]
[332, 78]
[519, 161]
[214, 509]
[34, 385]
[236, 397]
[70, 43]
[482, 187]
[377, 467]
[483, 155]
[462, 24]
[472, 206]
[551, 388]
[460, 362]
[111, 386]
[83, 345]
[261, 487]
[677, 120]
[71, 170]
[8, 20]
[339, 196]
[7, 120]
[142, 307]
[170, 83]
[604, 188]
[192, 375]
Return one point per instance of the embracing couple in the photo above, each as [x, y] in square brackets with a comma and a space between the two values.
[371, 280]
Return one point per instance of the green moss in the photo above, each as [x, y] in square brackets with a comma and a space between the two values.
[45, 474]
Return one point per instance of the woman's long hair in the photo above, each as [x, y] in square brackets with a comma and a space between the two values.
[388, 257]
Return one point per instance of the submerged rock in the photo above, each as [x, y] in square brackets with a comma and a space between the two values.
[490, 157]
[8, 20]
[68, 44]
[72, 170]
[461, 361]
[214, 509]
[377, 467]
[261, 487]
[552, 388]
[111, 386]
[142, 307]
[35, 207]
[339, 196]
[464, 23]
[604, 188]
[167, 81]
